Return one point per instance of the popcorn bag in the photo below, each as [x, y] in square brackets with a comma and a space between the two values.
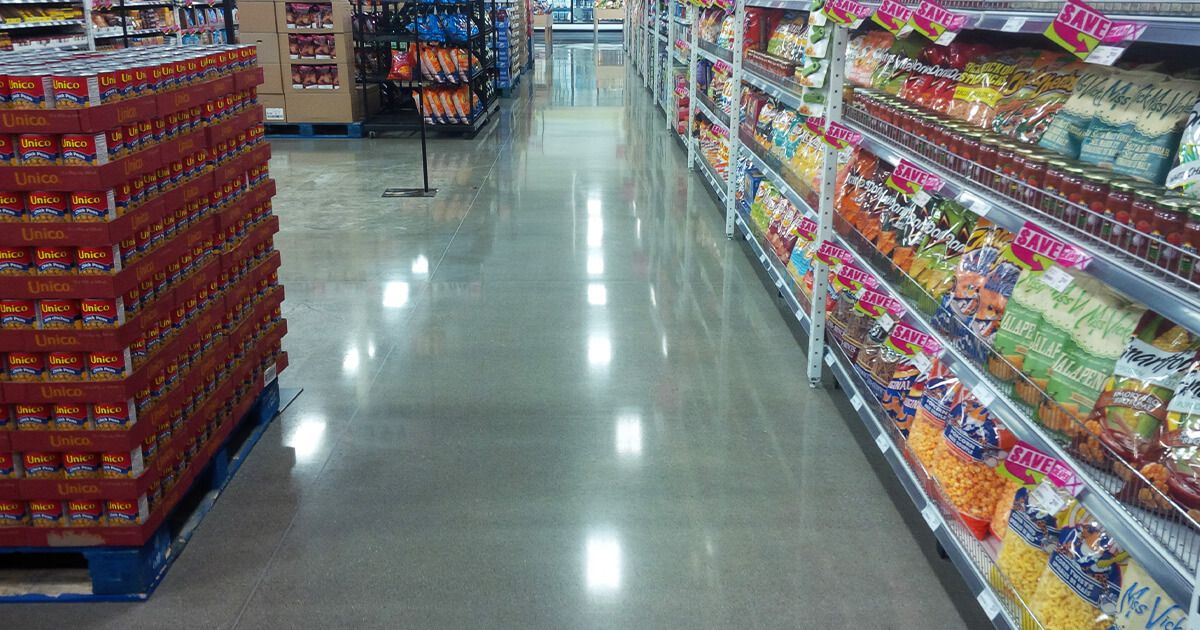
[939, 400]
[974, 443]
[1033, 530]
[1081, 586]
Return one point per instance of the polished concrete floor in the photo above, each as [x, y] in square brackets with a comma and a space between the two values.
[554, 396]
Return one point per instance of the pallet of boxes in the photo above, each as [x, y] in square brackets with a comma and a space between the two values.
[139, 296]
[306, 50]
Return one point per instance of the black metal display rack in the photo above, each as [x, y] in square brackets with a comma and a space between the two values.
[383, 27]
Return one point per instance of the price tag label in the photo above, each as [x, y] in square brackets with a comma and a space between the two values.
[801, 316]
[933, 517]
[883, 442]
[1088, 34]
[886, 322]
[1046, 496]
[762, 258]
[922, 363]
[985, 396]
[778, 283]
[270, 374]
[979, 207]
[1057, 279]
[988, 602]
[856, 402]
[1013, 25]
[829, 359]
[922, 198]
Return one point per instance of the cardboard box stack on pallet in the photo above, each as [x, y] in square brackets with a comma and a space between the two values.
[306, 50]
[141, 304]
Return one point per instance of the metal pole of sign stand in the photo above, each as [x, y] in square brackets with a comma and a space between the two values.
[424, 190]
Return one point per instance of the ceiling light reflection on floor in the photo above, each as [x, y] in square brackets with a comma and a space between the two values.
[597, 294]
[599, 350]
[420, 265]
[306, 438]
[595, 232]
[595, 264]
[629, 435]
[594, 206]
[603, 563]
[395, 294]
[350, 361]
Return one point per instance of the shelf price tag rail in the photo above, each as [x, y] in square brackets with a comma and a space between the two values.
[779, 277]
[1172, 297]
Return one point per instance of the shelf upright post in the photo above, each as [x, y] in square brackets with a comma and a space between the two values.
[739, 19]
[833, 112]
[89, 29]
[693, 64]
[670, 55]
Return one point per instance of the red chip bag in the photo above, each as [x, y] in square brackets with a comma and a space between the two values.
[402, 66]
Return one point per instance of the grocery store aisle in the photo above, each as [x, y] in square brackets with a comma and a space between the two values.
[554, 396]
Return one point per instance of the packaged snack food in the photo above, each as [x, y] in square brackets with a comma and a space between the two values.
[1081, 586]
[1018, 327]
[981, 84]
[1178, 474]
[1032, 533]
[939, 401]
[1086, 359]
[974, 443]
[998, 285]
[402, 66]
[1027, 113]
[1133, 403]
[962, 300]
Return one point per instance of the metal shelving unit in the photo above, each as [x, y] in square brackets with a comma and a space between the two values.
[1168, 548]
[380, 29]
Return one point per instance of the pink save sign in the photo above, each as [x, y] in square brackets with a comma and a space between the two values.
[893, 16]
[840, 136]
[1029, 466]
[1034, 246]
[1091, 36]
[908, 179]
[937, 23]
[846, 12]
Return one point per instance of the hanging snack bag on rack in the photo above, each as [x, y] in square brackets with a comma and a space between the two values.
[1100, 91]
[974, 443]
[1133, 404]
[1178, 474]
[933, 267]
[864, 54]
[1081, 586]
[1086, 359]
[940, 400]
[961, 301]
[993, 299]
[1156, 134]
[1018, 327]
[1037, 515]
[1028, 112]
[402, 66]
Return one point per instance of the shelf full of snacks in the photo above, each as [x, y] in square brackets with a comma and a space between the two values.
[125, 24]
[30, 26]
[991, 211]
[140, 297]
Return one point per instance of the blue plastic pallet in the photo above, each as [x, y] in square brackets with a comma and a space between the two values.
[314, 130]
[132, 573]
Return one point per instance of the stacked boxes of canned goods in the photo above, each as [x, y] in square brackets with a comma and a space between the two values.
[139, 294]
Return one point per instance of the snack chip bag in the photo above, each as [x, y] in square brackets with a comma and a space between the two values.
[974, 444]
[939, 401]
[402, 66]
[1179, 472]
[1032, 533]
[1081, 586]
[1133, 404]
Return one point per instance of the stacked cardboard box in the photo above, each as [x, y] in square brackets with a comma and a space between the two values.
[307, 53]
[140, 295]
